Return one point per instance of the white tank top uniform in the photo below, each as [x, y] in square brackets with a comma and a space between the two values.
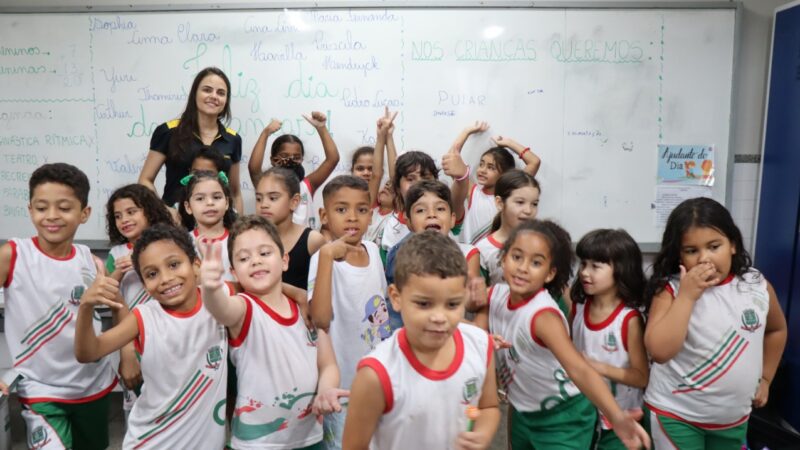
[528, 372]
[375, 231]
[489, 250]
[276, 365]
[42, 295]
[711, 382]
[360, 310]
[481, 210]
[607, 342]
[469, 250]
[426, 408]
[223, 240]
[304, 214]
[184, 368]
[395, 228]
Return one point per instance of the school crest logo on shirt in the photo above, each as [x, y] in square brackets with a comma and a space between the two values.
[38, 438]
[610, 343]
[214, 357]
[76, 294]
[750, 320]
[311, 335]
[470, 390]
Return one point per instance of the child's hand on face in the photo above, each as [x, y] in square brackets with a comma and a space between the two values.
[630, 432]
[122, 265]
[386, 122]
[328, 401]
[698, 279]
[273, 126]
[211, 269]
[477, 127]
[338, 249]
[317, 119]
[103, 291]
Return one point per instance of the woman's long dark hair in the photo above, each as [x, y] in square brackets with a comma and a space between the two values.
[696, 212]
[188, 126]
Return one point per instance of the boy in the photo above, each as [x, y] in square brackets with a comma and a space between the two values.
[429, 206]
[345, 279]
[64, 403]
[414, 389]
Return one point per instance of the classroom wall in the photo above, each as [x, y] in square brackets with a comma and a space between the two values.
[751, 69]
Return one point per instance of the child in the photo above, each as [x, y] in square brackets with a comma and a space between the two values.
[413, 390]
[182, 349]
[547, 380]
[516, 200]
[64, 403]
[207, 209]
[130, 210]
[606, 324]
[277, 197]
[708, 301]
[410, 167]
[429, 207]
[287, 151]
[494, 163]
[346, 285]
[275, 355]
[208, 158]
[368, 165]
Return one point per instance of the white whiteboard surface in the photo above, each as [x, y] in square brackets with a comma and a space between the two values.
[592, 91]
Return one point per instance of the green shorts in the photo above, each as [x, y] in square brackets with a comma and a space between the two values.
[52, 425]
[669, 433]
[609, 441]
[570, 425]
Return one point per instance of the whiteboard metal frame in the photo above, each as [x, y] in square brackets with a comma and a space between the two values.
[646, 247]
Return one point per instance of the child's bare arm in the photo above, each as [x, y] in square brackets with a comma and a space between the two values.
[531, 160]
[321, 307]
[257, 156]
[486, 424]
[775, 333]
[227, 310]
[5, 262]
[328, 392]
[550, 329]
[317, 177]
[391, 150]
[90, 347]
[638, 373]
[366, 407]
[129, 368]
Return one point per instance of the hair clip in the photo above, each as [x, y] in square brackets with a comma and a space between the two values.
[185, 180]
[223, 177]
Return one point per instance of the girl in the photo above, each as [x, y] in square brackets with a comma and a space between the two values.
[715, 332]
[275, 355]
[516, 199]
[410, 167]
[368, 165]
[175, 143]
[287, 151]
[546, 379]
[182, 349]
[207, 211]
[493, 164]
[130, 210]
[277, 197]
[606, 324]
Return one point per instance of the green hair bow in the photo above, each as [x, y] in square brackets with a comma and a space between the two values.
[222, 177]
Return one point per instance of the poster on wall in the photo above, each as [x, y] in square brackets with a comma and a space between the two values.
[691, 165]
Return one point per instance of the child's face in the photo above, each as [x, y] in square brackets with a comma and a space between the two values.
[290, 151]
[169, 275]
[347, 213]
[273, 201]
[363, 167]
[522, 204]
[430, 212]
[207, 203]
[597, 278]
[412, 177]
[203, 164]
[431, 308]
[257, 261]
[386, 195]
[488, 172]
[129, 219]
[212, 95]
[56, 212]
[527, 266]
[707, 245]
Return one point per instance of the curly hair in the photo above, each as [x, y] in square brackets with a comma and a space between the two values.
[162, 232]
[152, 207]
[560, 243]
[617, 248]
[187, 219]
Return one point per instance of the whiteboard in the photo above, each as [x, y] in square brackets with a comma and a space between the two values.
[592, 91]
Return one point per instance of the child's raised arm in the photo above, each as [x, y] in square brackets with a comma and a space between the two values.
[384, 123]
[774, 343]
[480, 437]
[550, 329]
[328, 392]
[88, 346]
[531, 160]
[367, 404]
[638, 373]
[229, 311]
[317, 177]
[454, 166]
[669, 317]
[257, 156]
